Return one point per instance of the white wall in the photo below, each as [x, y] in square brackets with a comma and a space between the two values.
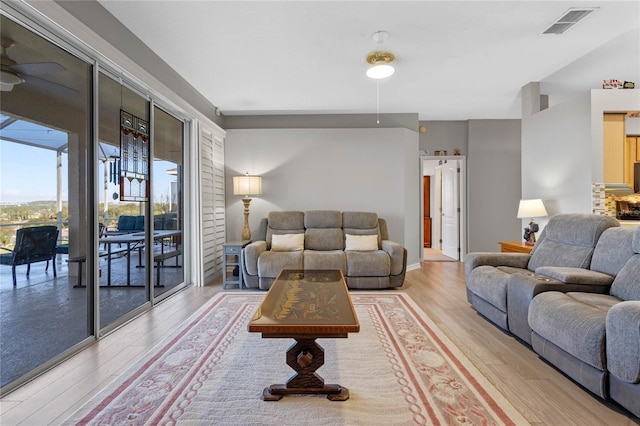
[556, 157]
[493, 183]
[329, 169]
[444, 135]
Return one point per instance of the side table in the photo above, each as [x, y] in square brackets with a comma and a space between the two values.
[514, 247]
[232, 258]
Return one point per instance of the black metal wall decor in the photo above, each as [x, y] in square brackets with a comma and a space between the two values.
[134, 158]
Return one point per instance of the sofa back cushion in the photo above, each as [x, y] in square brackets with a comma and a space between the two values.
[323, 230]
[626, 286]
[613, 250]
[323, 219]
[568, 240]
[287, 222]
[361, 223]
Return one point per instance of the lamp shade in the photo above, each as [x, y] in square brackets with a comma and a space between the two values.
[247, 185]
[531, 208]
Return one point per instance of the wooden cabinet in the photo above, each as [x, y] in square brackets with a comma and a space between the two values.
[427, 232]
[631, 156]
[614, 148]
[426, 182]
[514, 247]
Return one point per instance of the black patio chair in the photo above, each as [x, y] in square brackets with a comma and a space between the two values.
[34, 244]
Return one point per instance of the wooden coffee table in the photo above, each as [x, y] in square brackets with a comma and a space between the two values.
[306, 305]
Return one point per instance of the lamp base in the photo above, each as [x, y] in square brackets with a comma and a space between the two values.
[246, 232]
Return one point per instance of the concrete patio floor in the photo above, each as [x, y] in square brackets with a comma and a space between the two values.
[43, 316]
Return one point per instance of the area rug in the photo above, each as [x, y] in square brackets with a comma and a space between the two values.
[400, 369]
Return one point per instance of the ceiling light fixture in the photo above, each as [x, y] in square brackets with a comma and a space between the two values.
[380, 65]
[8, 78]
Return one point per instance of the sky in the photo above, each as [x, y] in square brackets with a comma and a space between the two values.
[28, 173]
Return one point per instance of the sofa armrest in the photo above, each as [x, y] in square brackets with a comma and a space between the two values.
[397, 254]
[575, 275]
[623, 341]
[514, 260]
[251, 254]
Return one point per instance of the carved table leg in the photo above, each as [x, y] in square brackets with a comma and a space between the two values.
[305, 357]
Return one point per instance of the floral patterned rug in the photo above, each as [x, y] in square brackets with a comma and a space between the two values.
[400, 369]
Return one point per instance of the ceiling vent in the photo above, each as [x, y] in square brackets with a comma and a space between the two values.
[568, 20]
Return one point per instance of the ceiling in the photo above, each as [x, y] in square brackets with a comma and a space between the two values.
[455, 60]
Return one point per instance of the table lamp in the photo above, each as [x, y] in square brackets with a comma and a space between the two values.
[531, 208]
[247, 185]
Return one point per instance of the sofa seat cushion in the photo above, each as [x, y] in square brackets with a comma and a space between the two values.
[333, 259]
[368, 263]
[575, 322]
[270, 263]
[490, 283]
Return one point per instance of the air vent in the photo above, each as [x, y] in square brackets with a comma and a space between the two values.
[568, 20]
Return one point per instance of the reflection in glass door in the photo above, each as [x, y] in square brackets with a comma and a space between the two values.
[45, 138]
[124, 173]
[168, 206]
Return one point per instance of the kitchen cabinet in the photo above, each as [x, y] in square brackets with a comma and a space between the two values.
[614, 148]
[631, 156]
[426, 182]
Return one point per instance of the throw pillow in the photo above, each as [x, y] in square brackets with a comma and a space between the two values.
[287, 242]
[361, 242]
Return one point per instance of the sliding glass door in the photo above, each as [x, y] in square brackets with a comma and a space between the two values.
[168, 205]
[124, 180]
[45, 202]
[92, 193]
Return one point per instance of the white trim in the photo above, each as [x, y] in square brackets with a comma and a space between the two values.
[413, 267]
[464, 198]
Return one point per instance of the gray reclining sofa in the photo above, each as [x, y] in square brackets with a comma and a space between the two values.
[575, 299]
[326, 234]
[595, 338]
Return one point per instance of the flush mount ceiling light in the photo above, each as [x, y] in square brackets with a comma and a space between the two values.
[380, 65]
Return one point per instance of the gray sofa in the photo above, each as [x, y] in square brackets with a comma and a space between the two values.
[595, 338]
[575, 299]
[500, 286]
[328, 238]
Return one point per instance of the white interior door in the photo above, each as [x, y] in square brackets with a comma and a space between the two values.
[451, 210]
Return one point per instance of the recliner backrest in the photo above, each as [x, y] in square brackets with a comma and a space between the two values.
[323, 230]
[361, 223]
[613, 250]
[626, 285]
[286, 222]
[569, 240]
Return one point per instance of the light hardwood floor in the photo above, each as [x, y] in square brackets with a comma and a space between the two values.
[542, 394]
